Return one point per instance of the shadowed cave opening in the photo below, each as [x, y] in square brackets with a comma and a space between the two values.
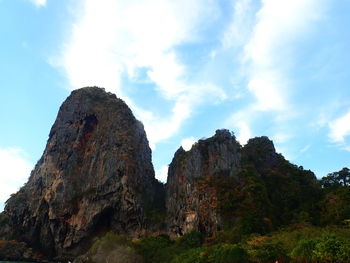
[103, 221]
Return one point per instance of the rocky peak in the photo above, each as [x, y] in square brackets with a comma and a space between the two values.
[95, 174]
[218, 183]
[262, 143]
[189, 204]
[223, 133]
[261, 152]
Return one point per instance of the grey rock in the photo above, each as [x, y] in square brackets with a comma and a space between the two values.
[191, 203]
[94, 175]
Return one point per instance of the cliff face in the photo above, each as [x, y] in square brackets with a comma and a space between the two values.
[95, 174]
[250, 189]
[191, 199]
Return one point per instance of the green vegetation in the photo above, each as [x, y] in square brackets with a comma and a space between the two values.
[162, 249]
[297, 243]
[111, 248]
[155, 213]
[336, 201]
[264, 221]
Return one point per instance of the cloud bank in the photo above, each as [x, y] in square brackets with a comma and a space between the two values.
[197, 53]
[14, 172]
[269, 56]
[115, 40]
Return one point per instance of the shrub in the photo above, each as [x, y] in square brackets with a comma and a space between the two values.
[191, 256]
[304, 250]
[109, 241]
[331, 247]
[192, 239]
[263, 249]
[229, 253]
[155, 249]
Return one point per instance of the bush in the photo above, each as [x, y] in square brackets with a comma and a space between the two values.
[193, 239]
[191, 256]
[109, 241]
[229, 253]
[162, 249]
[112, 248]
[226, 253]
[263, 249]
[331, 248]
[155, 249]
[304, 250]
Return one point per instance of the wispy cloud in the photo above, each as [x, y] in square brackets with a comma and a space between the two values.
[281, 137]
[162, 173]
[39, 3]
[187, 143]
[340, 129]
[14, 171]
[240, 28]
[112, 40]
[269, 50]
[269, 55]
[240, 122]
[305, 148]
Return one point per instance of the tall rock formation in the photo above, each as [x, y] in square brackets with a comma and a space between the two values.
[191, 199]
[251, 189]
[94, 175]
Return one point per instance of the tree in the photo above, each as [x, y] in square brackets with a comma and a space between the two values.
[337, 179]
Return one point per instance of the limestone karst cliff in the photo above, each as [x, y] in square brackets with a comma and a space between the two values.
[95, 175]
[191, 203]
[220, 184]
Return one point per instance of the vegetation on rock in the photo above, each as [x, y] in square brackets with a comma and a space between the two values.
[94, 189]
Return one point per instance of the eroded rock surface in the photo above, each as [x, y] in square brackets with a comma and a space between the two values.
[95, 174]
[191, 201]
[251, 189]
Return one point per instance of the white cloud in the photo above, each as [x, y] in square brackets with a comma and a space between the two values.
[305, 149]
[240, 122]
[39, 3]
[112, 40]
[187, 143]
[239, 29]
[281, 137]
[14, 171]
[162, 173]
[269, 50]
[244, 132]
[340, 128]
[268, 42]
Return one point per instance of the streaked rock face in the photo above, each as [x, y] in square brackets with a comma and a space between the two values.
[220, 184]
[191, 201]
[95, 174]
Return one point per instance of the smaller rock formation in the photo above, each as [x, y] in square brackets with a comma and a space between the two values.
[190, 199]
[261, 153]
[220, 184]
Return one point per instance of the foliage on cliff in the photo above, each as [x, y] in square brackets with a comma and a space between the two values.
[224, 202]
[295, 243]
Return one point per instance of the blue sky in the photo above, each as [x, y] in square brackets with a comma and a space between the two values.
[186, 68]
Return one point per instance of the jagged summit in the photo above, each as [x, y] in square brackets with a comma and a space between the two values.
[186, 199]
[219, 183]
[95, 174]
